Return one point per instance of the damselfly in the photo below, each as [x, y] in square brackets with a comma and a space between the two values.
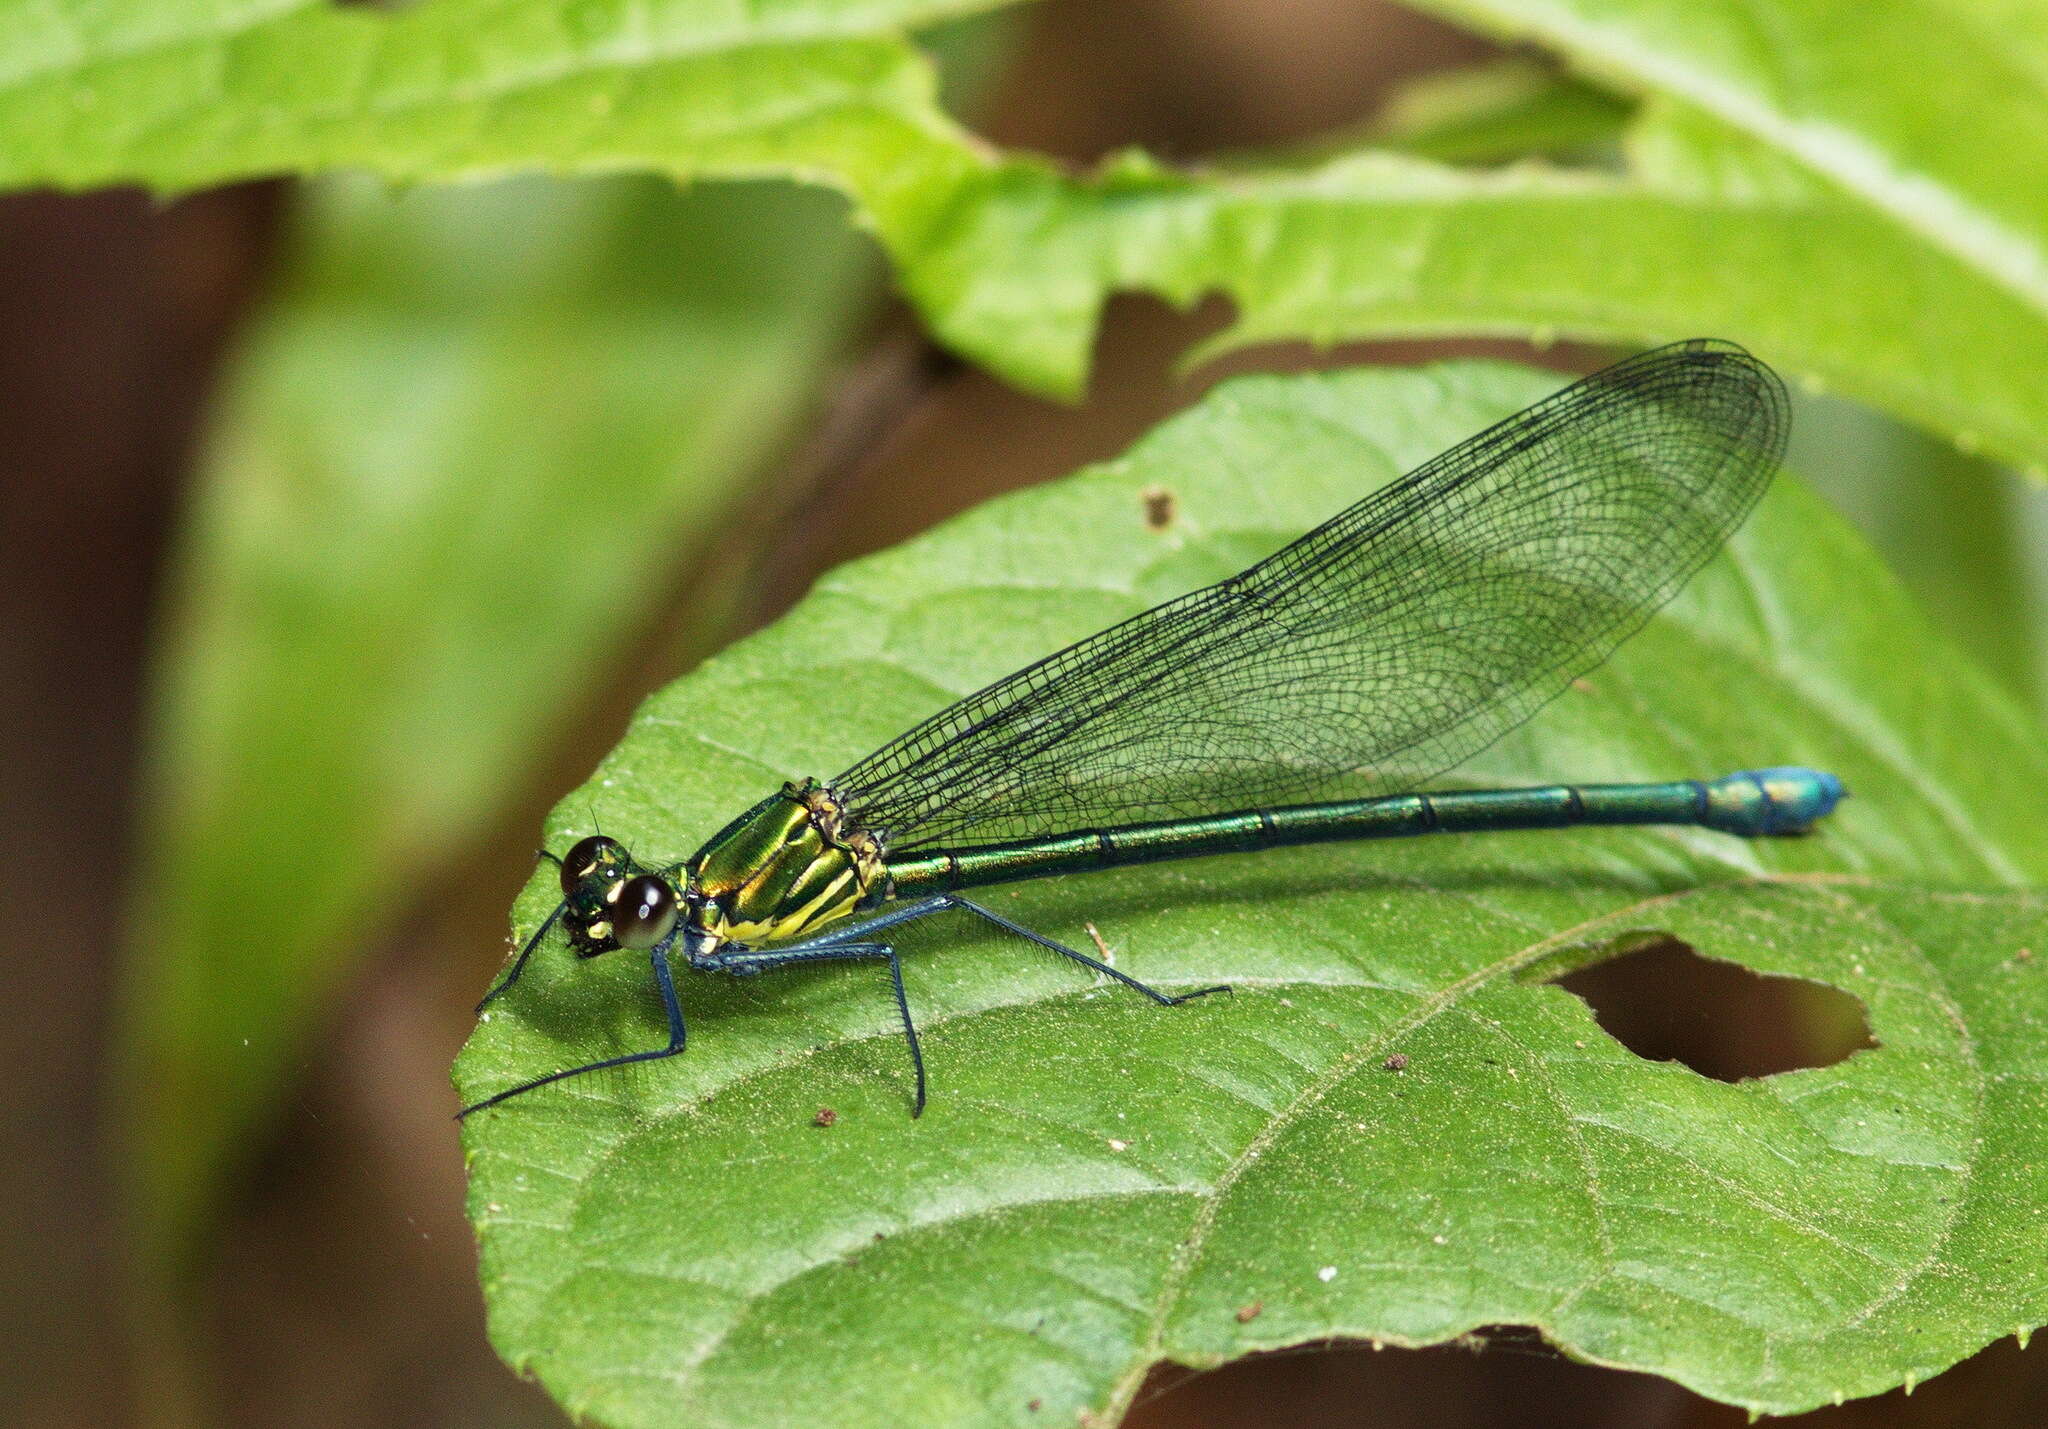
[1381, 649]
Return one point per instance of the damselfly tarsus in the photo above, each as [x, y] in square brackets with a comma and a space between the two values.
[1381, 649]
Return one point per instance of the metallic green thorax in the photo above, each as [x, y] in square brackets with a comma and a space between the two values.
[782, 869]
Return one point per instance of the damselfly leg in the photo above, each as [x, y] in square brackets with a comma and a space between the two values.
[519, 963]
[856, 942]
[677, 1033]
[748, 964]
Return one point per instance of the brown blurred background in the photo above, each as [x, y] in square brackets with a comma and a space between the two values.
[344, 1291]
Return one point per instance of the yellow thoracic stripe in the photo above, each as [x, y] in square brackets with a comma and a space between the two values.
[833, 901]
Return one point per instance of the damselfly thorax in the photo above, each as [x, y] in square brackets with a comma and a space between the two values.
[781, 870]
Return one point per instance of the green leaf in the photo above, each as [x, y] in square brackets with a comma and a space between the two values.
[1494, 112]
[476, 434]
[1889, 272]
[1100, 1183]
[1963, 534]
[1932, 113]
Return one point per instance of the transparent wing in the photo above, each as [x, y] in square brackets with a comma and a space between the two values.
[1386, 646]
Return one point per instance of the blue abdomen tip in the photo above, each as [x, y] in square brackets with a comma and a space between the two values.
[1797, 796]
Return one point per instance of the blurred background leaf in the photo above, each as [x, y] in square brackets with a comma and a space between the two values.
[1968, 536]
[679, 1242]
[1929, 112]
[1833, 226]
[1495, 112]
[1901, 265]
[472, 440]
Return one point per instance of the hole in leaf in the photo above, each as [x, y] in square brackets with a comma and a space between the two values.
[1506, 1375]
[1666, 1003]
[1493, 1377]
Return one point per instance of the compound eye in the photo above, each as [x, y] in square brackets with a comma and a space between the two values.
[643, 913]
[596, 854]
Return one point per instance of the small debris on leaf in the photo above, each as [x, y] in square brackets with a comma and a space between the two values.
[1160, 505]
[825, 1117]
[1100, 946]
[1396, 1063]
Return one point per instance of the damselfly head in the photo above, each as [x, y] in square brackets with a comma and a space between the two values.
[611, 905]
